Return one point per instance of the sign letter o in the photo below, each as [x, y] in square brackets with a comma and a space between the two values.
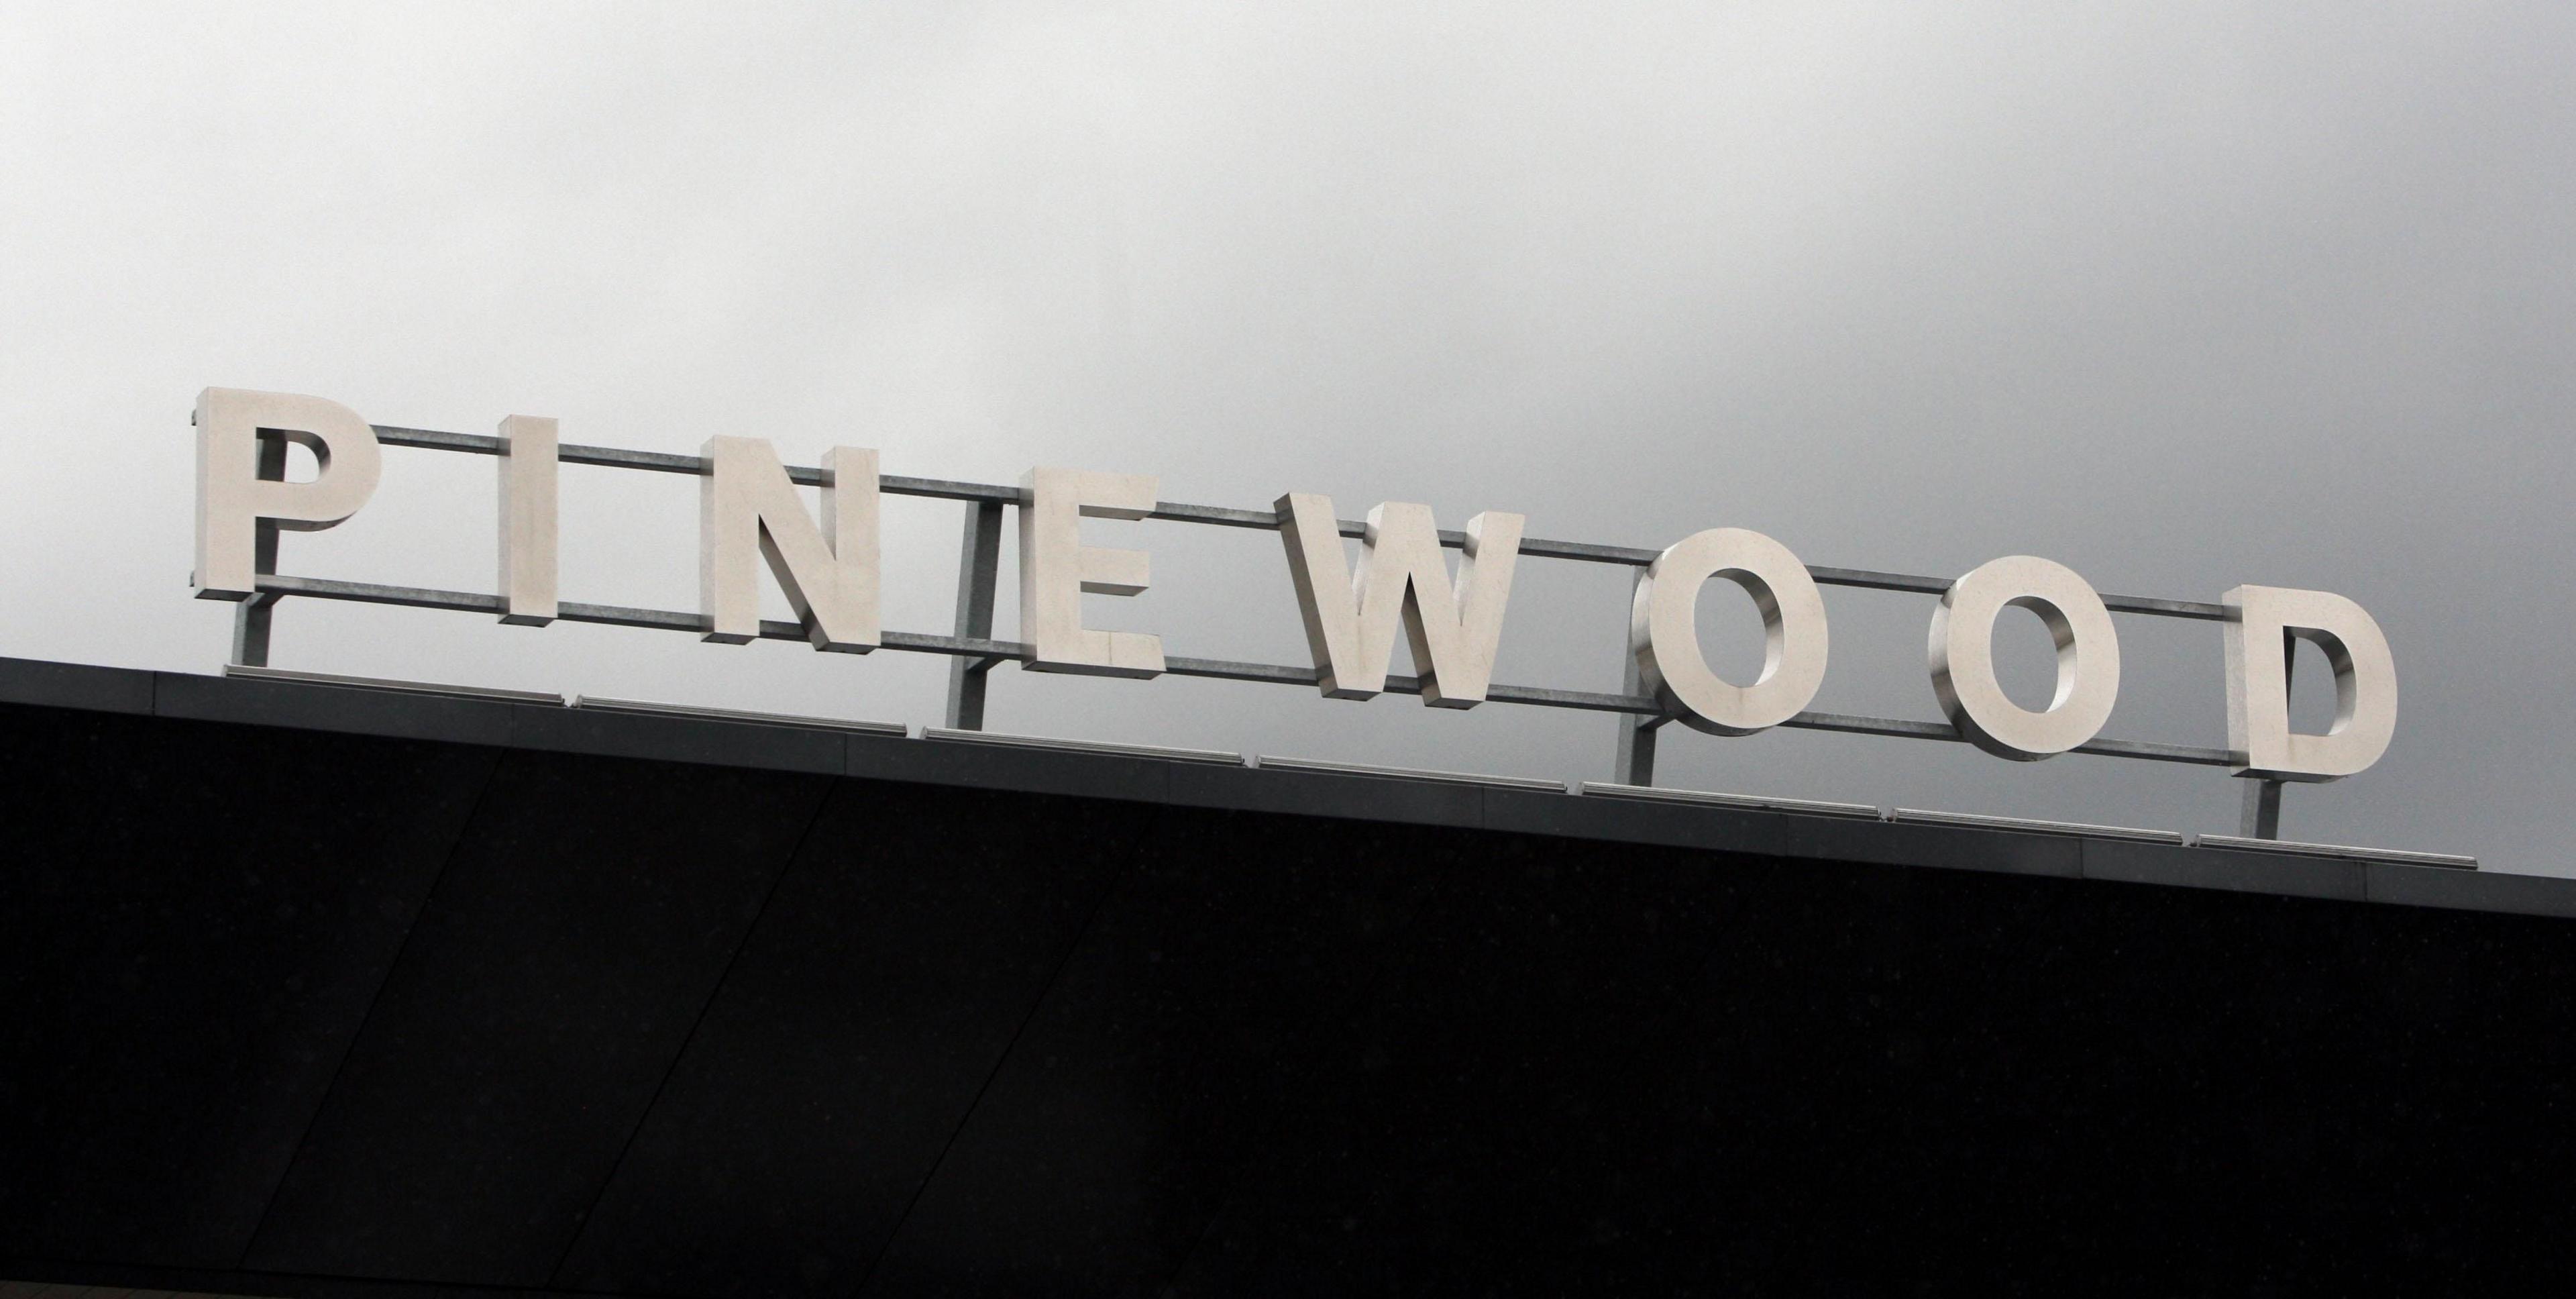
[1963, 658]
[1663, 634]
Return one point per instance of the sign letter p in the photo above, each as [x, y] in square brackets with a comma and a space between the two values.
[233, 499]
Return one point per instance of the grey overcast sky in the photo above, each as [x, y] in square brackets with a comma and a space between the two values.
[2180, 295]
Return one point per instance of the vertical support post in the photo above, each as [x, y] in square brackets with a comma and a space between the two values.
[979, 566]
[2262, 818]
[1636, 753]
[252, 617]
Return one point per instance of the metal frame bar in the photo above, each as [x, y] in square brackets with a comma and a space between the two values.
[1222, 516]
[975, 652]
[970, 647]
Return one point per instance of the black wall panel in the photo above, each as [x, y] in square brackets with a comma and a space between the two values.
[1477, 1107]
[909, 943]
[1165, 1051]
[301, 1013]
[555, 973]
[192, 920]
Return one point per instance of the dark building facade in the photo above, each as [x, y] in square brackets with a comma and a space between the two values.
[310, 990]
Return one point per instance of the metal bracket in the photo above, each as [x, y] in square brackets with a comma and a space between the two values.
[1635, 760]
[979, 567]
[2262, 817]
[253, 616]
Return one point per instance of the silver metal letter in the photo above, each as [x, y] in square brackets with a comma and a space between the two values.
[232, 498]
[1056, 570]
[1454, 633]
[2259, 738]
[1963, 658]
[528, 520]
[747, 506]
[1664, 634]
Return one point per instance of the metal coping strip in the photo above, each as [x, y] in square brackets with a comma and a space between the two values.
[1922, 817]
[2291, 847]
[398, 687]
[595, 703]
[1408, 773]
[1658, 794]
[1598, 789]
[1213, 757]
[324, 588]
[1226, 517]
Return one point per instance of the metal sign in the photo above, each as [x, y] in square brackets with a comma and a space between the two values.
[826, 561]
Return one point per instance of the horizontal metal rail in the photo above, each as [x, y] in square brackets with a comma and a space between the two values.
[1225, 517]
[1218, 669]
